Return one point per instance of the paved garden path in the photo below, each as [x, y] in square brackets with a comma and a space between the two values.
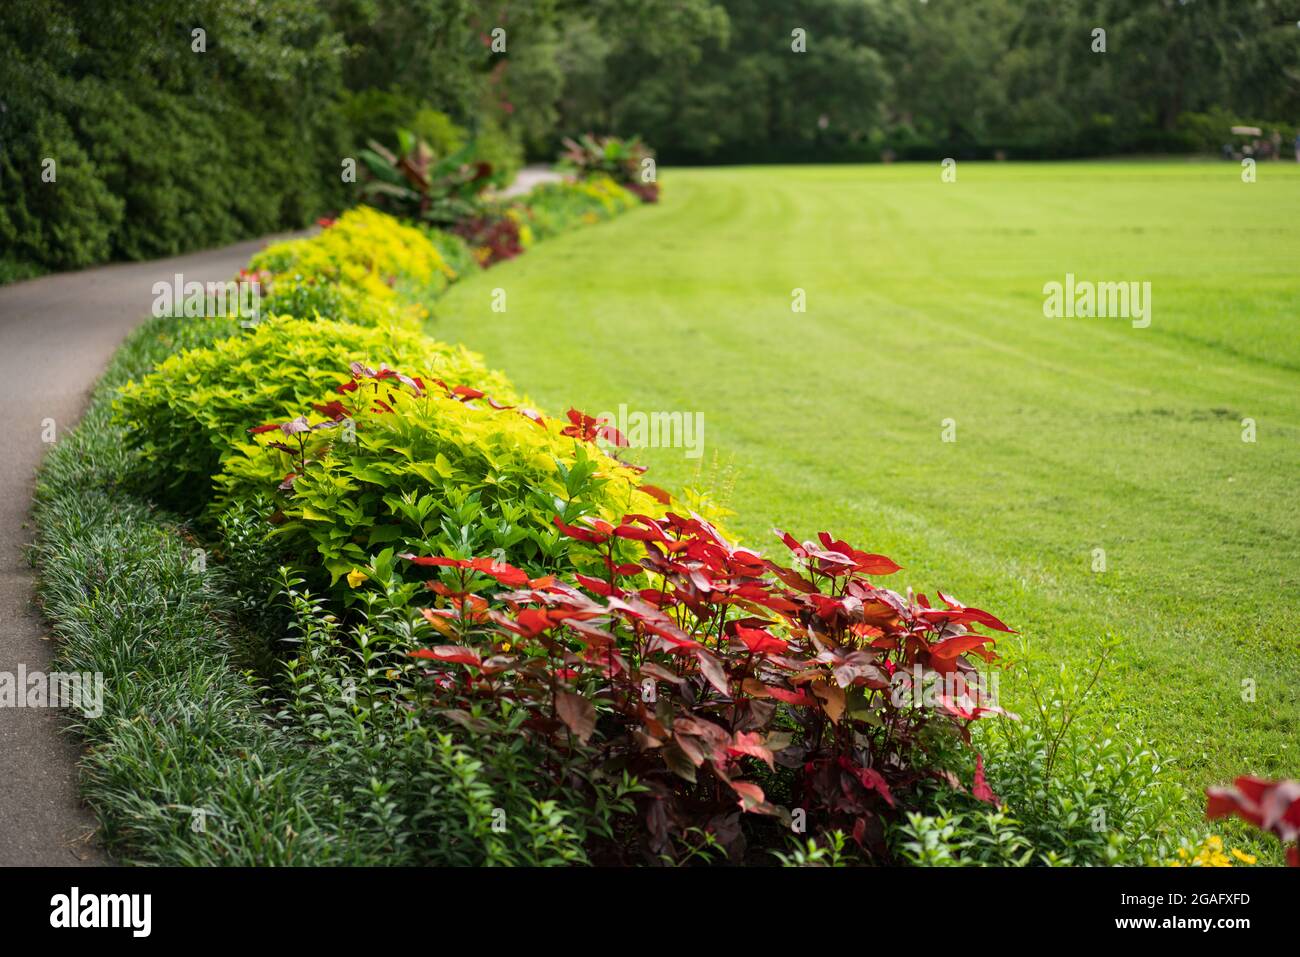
[56, 336]
[531, 176]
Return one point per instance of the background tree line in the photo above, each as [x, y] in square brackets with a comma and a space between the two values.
[160, 146]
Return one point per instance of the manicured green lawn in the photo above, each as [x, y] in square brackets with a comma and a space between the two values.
[924, 303]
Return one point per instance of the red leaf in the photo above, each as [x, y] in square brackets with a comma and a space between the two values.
[599, 586]
[981, 791]
[577, 713]
[950, 648]
[712, 671]
[439, 560]
[455, 654]
[791, 697]
[593, 536]
[658, 494]
[759, 642]
[751, 744]
[503, 572]
[873, 780]
[791, 543]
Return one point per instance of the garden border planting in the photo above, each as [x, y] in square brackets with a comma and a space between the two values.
[356, 601]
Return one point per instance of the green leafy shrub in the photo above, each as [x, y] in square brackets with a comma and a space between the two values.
[365, 267]
[495, 145]
[420, 466]
[190, 412]
[439, 130]
[62, 224]
[455, 252]
[553, 208]
[973, 838]
[192, 762]
[418, 184]
[1077, 794]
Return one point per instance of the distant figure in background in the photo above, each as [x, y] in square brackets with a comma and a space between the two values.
[1277, 145]
[1297, 145]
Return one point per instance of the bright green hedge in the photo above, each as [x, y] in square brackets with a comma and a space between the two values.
[191, 411]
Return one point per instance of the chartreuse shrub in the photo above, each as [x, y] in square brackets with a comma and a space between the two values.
[190, 412]
[394, 461]
[455, 252]
[365, 267]
[554, 208]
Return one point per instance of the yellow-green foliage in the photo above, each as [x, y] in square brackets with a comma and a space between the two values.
[366, 268]
[425, 471]
[556, 207]
[193, 408]
[434, 476]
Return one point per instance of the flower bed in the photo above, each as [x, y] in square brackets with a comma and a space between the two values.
[444, 591]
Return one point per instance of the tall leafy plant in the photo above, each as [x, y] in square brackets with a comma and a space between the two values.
[416, 184]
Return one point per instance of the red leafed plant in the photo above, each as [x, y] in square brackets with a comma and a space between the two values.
[738, 690]
[1272, 806]
[494, 238]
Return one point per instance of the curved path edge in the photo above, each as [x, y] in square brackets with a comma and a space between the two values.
[57, 334]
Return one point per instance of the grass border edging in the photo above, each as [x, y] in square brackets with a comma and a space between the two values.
[181, 741]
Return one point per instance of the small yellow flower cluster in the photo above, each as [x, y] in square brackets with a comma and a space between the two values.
[1210, 853]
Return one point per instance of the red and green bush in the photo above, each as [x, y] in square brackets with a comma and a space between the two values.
[628, 162]
[493, 236]
[747, 696]
[417, 184]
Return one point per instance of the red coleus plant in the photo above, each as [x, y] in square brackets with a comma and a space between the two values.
[804, 693]
[1272, 806]
[493, 238]
[589, 429]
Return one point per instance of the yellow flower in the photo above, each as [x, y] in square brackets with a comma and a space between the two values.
[1243, 857]
[356, 577]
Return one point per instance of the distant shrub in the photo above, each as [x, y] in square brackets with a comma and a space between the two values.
[500, 147]
[365, 267]
[493, 237]
[416, 183]
[60, 225]
[455, 252]
[554, 208]
[624, 161]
